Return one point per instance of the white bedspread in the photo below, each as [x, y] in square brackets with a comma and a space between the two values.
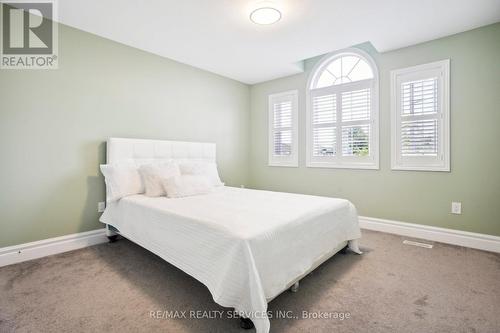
[244, 245]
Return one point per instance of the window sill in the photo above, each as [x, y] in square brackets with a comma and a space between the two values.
[343, 166]
[421, 168]
[286, 165]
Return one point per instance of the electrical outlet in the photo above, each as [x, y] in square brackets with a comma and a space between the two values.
[456, 208]
[101, 206]
[242, 186]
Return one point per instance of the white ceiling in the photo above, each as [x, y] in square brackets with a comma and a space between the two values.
[216, 35]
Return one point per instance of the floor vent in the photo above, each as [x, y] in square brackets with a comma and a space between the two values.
[409, 242]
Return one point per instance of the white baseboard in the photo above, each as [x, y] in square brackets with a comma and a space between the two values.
[28, 251]
[442, 235]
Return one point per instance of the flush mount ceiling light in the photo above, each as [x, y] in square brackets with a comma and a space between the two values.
[265, 15]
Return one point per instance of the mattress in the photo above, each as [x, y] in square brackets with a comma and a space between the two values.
[245, 245]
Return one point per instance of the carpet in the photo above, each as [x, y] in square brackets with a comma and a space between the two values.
[392, 287]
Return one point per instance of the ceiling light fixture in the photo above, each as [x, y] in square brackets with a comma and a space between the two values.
[265, 15]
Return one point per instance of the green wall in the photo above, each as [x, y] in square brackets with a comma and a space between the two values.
[409, 196]
[54, 124]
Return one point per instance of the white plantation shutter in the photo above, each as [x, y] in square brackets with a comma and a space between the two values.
[356, 105]
[355, 140]
[420, 117]
[419, 97]
[283, 129]
[324, 141]
[419, 137]
[419, 112]
[356, 110]
[342, 113]
[324, 125]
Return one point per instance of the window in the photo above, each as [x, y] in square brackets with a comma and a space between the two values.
[342, 112]
[420, 112]
[283, 129]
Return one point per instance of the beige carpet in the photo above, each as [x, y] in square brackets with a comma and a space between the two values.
[391, 288]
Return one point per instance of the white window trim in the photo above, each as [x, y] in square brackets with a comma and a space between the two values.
[293, 159]
[345, 162]
[422, 164]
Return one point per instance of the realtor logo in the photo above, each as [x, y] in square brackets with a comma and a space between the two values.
[29, 35]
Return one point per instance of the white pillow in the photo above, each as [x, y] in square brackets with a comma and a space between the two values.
[154, 174]
[200, 168]
[186, 185]
[121, 180]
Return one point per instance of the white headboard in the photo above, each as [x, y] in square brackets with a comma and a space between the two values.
[141, 150]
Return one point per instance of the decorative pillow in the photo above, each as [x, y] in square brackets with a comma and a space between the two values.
[154, 174]
[121, 180]
[200, 168]
[186, 185]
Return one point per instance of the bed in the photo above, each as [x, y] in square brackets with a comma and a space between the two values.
[247, 246]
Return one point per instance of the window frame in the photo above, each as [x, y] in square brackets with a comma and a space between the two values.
[339, 161]
[421, 72]
[291, 160]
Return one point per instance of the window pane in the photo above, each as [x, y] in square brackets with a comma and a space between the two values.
[342, 80]
[345, 69]
[348, 63]
[362, 71]
[324, 109]
[355, 140]
[419, 138]
[336, 67]
[282, 143]
[282, 114]
[325, 80]
[419, 97]
[324, 141]
[356, 105]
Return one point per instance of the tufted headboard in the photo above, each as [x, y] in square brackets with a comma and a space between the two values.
[144, 151]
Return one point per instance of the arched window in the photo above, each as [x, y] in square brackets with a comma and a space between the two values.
[342, 112]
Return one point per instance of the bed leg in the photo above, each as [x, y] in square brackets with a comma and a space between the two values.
[246, 323]
[295, 287]
[113, 238]
[354, 246]
[112, 235]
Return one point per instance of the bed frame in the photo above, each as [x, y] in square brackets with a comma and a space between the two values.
[144, 151]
